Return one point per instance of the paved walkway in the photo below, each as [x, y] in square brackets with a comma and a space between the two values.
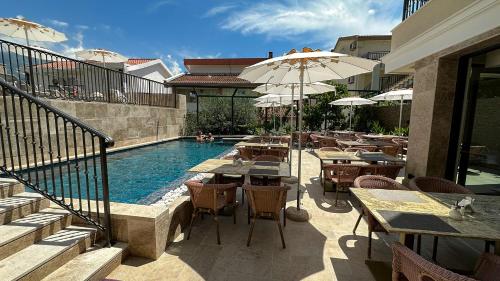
[322, 249]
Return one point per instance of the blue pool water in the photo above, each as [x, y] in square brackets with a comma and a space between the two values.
[143, 175]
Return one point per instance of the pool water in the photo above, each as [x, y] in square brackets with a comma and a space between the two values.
[143, 175]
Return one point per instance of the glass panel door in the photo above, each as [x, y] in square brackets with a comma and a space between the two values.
[479, 153]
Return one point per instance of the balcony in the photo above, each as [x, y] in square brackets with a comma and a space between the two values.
[411, 6]
[375, 55]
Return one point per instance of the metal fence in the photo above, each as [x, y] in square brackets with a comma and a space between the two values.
[49, 75]
[55, 155]
[411, 6]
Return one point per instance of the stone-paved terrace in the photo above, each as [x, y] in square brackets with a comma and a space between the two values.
[322, 249]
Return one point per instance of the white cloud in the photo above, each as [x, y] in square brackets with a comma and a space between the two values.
[219, 10]
[58, 23]
[82, 26]
[156, 5]
[320, 21]
[70, 50]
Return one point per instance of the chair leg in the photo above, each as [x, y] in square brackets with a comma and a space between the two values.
[281, 232]
[434, 248]
[193, 216]
[369, 244]
[216, 219]
[251, 231]
[336, 195]
[357, 222]
[242, 197]
[419, 243]
[248, 214]
[284, 215]
[234, 213]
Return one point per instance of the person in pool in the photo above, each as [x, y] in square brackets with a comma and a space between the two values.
[209, 137]
[200, 137]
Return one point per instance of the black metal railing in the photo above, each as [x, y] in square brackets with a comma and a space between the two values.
[387, 82]
[55, 155]
[49, 75]
[411, 6]
[376, 55]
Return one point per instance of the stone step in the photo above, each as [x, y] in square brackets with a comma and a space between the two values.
[8, 189]
[21, 205]
[95, 264]
[41, 259]
[22, 233]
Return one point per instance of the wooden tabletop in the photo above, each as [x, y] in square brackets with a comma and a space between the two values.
[351, 156]
[368, 136]
[413, 209]
[365, 143]
[258, 144]
[254, 168]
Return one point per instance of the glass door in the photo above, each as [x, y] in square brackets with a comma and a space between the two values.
[479, 148]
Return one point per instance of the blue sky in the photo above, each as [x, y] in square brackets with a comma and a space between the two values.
[176, 29]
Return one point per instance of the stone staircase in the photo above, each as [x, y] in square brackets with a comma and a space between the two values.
[38, 242]
[406, 83]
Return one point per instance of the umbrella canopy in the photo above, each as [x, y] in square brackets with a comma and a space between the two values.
[404, 94]
[306, 67]
[274, 97]
[400, 95]
[272, 103]
[101, 55]
[351, 101]
[312, 88]
[21, 28]
[43, 49]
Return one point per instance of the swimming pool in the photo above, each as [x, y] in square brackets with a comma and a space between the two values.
[143, 175]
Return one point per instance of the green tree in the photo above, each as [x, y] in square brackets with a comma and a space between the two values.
[321, 111]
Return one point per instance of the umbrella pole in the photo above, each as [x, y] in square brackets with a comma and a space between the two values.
[291, 131]
[299, 162]
[400, 115]
[350, 118]
[27, 37]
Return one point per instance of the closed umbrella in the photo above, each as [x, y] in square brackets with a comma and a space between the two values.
[352, 101]
[21, 28]
[301, 68]
[101, 55]
[400, 95]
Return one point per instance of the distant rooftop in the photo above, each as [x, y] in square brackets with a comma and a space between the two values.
[210, 80]
[134, 61]
[223, 61]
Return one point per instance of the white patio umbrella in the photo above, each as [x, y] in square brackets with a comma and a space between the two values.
[101, 55]
[272, 102]
[21, 28]
[288, 89]
[352, 101]
[400, 95]
[305, 67]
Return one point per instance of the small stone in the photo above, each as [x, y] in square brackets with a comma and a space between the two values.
[294, 214]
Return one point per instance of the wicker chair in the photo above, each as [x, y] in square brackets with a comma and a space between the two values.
[390, 150]
[266, 201]
[245, 152]
[439, 185]
[271, 158]
[206, 198]
[276, 152]
[378, 182]
[340, 175]
[388, 171]
[402, 145]
[369, 148]
[409, 266]
[315, 140]
[327, 142]
[304, 138]
[355, 149]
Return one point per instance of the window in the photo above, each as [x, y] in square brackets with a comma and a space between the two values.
[350, 80]
[353, 45]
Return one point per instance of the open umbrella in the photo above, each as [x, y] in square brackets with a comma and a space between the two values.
[21, 28]
[351, 101]
[400, 95]
[305, 67]
[101, 55]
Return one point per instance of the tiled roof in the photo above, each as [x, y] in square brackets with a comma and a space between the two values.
[223, 80]
[134, 61]
[233, 61]
[59, 65]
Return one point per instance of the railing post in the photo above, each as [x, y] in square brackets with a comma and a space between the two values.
[32, 74]
[105, 189]
[107, 84]
[149, 91]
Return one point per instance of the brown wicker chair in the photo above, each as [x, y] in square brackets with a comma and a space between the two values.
[206, 198]
[388, 171]
[402, 145]
[327, 142]
[245, 152]
[439, 185]
[355, 149]
[409, 266]
[377, 182]
[266, 201]
[340, 175]
[390, 150]
[276, 152]
[315, 140]
[304, 138]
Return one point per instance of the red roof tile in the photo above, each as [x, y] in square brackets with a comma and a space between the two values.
[233, 61]
[134, 61]
[221, 80]
[59, 65]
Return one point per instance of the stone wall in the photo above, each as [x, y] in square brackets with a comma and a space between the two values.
[388, 116]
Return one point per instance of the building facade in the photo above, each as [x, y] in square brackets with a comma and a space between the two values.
[452, 47]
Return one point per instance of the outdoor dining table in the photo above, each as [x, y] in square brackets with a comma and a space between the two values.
[248, 168]
[258, 144]
[409, 213]
[353, 156]
[378, 137]
[350, 143]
